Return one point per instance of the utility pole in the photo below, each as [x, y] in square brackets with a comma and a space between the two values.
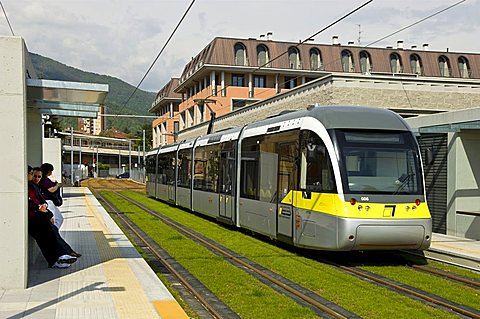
[71, 156]
[80, 157]
[130, 156]
[96, 166]
[143, 148]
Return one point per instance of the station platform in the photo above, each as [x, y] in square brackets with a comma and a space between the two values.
[110, 280]
[460, 251]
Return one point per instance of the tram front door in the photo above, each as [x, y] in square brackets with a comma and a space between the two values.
[226, 177]
[286, 182]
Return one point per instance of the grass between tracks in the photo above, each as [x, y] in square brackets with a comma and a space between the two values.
[241, 292]
[358, 296]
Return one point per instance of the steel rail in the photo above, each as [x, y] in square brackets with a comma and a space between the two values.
[266, 276]
[408, 290]
[167, 265]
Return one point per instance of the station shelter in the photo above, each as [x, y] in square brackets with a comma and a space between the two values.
[24, 100]
[449, 144]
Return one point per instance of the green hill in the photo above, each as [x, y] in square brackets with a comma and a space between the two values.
[119, 91]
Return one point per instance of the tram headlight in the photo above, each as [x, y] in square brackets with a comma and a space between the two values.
[417, 202]
[353, 201]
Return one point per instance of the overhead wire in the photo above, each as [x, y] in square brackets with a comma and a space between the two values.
[6, 18]
[307, 39]
[155, 60]
[374, 42]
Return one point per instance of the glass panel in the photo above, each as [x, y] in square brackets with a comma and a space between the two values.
[293, 58]
[184, 167]
[262, 55]
[379, 162]
[316, 172]
[206, 168]
[239, 54]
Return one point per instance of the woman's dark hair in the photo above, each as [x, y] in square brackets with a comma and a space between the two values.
[46, 167]
[29, 168]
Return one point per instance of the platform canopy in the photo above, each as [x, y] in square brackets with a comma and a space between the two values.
[447, 122]
[62, 98]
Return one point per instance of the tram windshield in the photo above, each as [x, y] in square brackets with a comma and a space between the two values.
[379, 162]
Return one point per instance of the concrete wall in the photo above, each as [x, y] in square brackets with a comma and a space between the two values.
[13, 190]
[52, 153]
[463, 194]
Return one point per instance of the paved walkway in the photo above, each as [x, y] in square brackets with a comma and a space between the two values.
[110, 280]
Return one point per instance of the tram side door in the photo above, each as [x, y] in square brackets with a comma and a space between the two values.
[286, 182]
[226, 177]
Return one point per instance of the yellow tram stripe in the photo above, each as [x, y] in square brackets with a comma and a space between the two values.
[328, 203]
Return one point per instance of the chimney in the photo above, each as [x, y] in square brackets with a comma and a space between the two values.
[269, 36]
[262, 37]
[425, 47]
[389, 47]
[400, 44]
[414, 47]
[335, 40]
[350, 42]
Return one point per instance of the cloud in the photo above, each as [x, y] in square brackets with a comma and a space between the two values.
[121, 38]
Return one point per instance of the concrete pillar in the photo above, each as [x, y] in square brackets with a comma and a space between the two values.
[277, 86]
[222, 81]
[52, 153]
[34, 138]
[250, 85]
[13, 190]
[213, 84]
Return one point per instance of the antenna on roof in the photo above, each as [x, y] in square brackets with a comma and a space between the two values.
[359, 33]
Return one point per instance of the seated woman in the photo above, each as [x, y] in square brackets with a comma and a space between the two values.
[37, 175]
[48, 187]
[43, 231]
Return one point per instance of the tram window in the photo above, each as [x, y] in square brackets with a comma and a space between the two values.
[249, 179]
[166, 169]
[316, 167]
[184, 167]
[379, 162]
[206, 168]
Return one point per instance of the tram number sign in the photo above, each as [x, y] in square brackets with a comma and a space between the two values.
[364, 199]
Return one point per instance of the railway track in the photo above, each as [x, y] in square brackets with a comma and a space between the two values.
[409, 291]
[301, 295]
[398, 287]
[414, 293]
[214, 306]
[470, 282]
[112, 184]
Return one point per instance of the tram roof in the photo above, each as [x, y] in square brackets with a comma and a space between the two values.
[332, 117]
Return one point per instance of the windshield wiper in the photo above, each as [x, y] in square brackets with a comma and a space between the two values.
[403, 180]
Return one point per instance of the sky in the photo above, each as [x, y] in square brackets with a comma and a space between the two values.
[121, 38]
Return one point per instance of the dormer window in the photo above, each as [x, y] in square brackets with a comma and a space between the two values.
[416, 64]
[395, 63]
[464, 67]
[365, 62]
[315, 59]
[262, 55]
[294, 58]
[240, 54]
[347, 61]
[444, 66]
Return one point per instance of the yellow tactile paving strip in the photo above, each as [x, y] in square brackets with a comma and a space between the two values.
[130, 301]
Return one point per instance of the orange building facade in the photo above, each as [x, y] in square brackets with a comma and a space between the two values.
[232, 73]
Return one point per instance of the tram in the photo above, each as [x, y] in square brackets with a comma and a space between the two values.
[333, 178]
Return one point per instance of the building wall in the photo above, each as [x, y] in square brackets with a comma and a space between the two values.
[463, 216]
[389, 92]
[13, 192]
